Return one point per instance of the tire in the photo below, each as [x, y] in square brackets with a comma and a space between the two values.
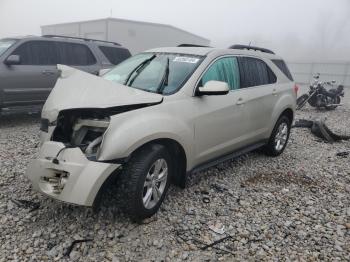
[301, 101]
[271, 148]
[133, 189]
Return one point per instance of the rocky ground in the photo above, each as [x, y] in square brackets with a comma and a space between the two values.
[294, 207]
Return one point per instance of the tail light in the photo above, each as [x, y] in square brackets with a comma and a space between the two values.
[296, 89]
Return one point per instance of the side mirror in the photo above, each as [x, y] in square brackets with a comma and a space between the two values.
[13, 60]
[214, 88]
[103, 71]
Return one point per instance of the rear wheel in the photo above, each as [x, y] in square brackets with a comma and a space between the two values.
[144, 181]
[279, 137]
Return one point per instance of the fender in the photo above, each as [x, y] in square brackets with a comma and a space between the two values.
[129, 131]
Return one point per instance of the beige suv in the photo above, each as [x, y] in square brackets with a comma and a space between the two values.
[157, 117]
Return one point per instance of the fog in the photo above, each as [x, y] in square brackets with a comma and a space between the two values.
[310, 30]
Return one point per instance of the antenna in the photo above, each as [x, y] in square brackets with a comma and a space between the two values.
[111, 13]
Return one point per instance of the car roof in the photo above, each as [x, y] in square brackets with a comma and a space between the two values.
[65, 39]
[204, 51]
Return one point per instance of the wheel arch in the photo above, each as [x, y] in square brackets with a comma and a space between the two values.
[175, 149]
[288, 112]
[286, 104]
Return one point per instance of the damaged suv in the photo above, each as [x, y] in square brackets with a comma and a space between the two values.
[157, 117]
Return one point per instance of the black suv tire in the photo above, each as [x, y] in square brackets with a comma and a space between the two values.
[133, 181]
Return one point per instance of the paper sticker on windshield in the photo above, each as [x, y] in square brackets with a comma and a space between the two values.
[184, 59]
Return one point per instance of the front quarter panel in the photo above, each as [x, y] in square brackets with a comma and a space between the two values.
[128, 131]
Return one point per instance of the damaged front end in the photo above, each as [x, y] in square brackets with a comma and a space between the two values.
[67, 175]
[67, 168]
[72, 131]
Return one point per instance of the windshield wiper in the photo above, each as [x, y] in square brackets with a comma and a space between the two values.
[138, 70]
[165, 78]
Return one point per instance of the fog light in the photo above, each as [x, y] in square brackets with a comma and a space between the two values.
[57, 182]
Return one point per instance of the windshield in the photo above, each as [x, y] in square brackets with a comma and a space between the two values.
[162, 73]
[6, 44]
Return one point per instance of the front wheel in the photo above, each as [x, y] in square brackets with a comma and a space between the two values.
[301, 101]
[279, 137]
[144, 181]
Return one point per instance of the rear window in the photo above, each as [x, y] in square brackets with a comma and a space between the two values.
[283, 67]
[254, 72]
[115, 55]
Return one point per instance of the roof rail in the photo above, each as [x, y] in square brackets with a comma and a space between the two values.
[81, 38]
[192, 45]
[249, 47]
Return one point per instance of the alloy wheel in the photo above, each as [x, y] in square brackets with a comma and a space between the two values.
[281, 136]
[155, 183]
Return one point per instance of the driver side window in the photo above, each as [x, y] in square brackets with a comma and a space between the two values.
[225, 70]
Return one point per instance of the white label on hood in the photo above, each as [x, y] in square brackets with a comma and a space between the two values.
[184, 59]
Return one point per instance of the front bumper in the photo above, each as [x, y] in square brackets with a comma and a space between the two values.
[74, 179]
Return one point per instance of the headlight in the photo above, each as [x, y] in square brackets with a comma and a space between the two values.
[83, 129]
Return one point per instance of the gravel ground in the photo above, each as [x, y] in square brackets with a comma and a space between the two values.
[294, 207]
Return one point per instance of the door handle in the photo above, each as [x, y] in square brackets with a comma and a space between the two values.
[240, 101]
[274, 91]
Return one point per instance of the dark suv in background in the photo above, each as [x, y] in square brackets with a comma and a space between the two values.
[28, 68]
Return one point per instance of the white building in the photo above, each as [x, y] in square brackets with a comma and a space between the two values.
[136, 36]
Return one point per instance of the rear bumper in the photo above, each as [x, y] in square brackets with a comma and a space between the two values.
[74, 179]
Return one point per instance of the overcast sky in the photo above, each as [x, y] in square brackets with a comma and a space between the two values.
[296, 29]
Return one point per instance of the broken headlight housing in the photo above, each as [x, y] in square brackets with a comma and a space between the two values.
[88, 135]
[83, 129]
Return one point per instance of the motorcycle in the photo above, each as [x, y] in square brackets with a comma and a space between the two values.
[320, 97]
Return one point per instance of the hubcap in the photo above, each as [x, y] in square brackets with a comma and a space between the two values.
[155, 183]
[281, 136]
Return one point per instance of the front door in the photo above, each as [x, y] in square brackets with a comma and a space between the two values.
[220, 124]
[31, 81]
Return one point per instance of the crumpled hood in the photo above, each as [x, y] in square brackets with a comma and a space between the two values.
[78, 89]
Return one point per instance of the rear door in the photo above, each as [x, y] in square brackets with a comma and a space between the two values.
[31, 81]
[257, 96]
[77, 55]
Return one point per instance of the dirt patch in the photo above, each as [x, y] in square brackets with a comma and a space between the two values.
[281, 179]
